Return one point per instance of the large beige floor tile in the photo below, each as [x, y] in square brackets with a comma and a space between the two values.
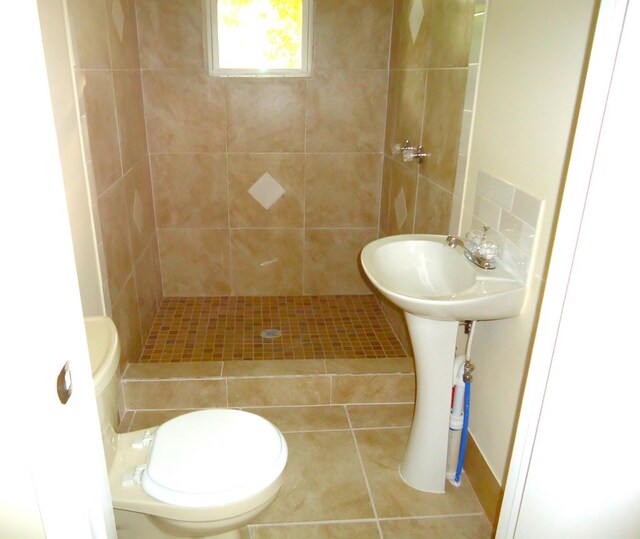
[351, 530]
[381, 452]
[372, 388]
[304, 418]
[471, 527]
[380, 415]
[322, 481]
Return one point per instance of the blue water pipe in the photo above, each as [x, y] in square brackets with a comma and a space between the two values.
[465, 430]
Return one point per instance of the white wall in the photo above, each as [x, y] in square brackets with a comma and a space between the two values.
[530, 76]
[64, 101]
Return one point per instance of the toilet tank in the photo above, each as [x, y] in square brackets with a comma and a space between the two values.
[104, 352]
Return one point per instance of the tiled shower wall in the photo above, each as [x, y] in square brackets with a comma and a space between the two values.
[430, 46]
[210, 139]
[107, 71]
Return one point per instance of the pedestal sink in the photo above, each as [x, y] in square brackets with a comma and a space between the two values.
[437, 287]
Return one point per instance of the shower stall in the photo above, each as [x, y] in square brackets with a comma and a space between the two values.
[230, 211]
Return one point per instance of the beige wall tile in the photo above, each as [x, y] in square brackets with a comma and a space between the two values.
[450, 39]
[142, 224]
[190, 190]
[144, 275]
[433, 208]
[332, 261]
[89, 34]
[276, 367]
[352, 34]
[392, 105]
[380, 415]
[287, 170]
[266, 262]
[346, 111]
[154, 255]
[360, 530]
[379, 388]
[403, 179]
[382, 451]
[265, 115]
[185, 112]
[385, 196]
[123, 40]
[175, 394]
[442, 123]
[464, 527]
[406, 52]
[342, 190]
[165, 371]
[195, 262]
[410, 96]
[96, 88]
[115, 235]
[127, 320]
[329, 462]
[284, 391]
[130, 110]
[304, 418]
[170, 33]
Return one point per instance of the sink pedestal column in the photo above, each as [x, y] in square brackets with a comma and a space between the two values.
[424, 465]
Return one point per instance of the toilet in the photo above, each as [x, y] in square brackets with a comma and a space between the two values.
[203, 474]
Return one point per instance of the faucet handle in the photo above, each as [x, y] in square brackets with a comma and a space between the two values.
[488, 249]
[475, 238]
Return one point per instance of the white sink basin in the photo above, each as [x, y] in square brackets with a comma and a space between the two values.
[437, 287]
[423, 276]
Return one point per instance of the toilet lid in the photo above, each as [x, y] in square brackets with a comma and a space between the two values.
[213, 457]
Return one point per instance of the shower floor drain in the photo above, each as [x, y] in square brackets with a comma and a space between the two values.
[271, 334]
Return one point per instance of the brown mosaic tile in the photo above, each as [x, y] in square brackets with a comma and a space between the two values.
[228, 328]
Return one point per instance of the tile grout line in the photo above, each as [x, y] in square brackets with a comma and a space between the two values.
[364, 473]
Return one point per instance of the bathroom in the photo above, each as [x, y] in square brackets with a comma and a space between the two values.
[118, 86]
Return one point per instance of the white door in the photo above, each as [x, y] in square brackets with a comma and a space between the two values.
[52, 475]
[574, 470]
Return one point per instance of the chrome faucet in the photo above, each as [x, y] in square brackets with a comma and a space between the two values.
[475, 256]
[453, 241]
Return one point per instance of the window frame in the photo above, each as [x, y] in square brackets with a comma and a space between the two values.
[211, 41]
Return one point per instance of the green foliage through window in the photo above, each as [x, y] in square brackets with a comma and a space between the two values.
[260, 35]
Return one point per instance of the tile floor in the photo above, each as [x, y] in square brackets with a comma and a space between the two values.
[341, 479]
[228, 328]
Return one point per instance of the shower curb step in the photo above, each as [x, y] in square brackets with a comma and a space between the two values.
[267, 383]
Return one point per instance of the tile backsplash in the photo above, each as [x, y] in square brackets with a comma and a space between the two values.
[513, 217]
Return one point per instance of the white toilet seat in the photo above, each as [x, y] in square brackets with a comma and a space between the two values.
[213, 458]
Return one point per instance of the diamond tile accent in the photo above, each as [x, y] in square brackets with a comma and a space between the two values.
[266, 191]
[415, 18]
[117, 16]
[400, 206]
[138, 212]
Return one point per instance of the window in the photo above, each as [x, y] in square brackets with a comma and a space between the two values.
[259, 37]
